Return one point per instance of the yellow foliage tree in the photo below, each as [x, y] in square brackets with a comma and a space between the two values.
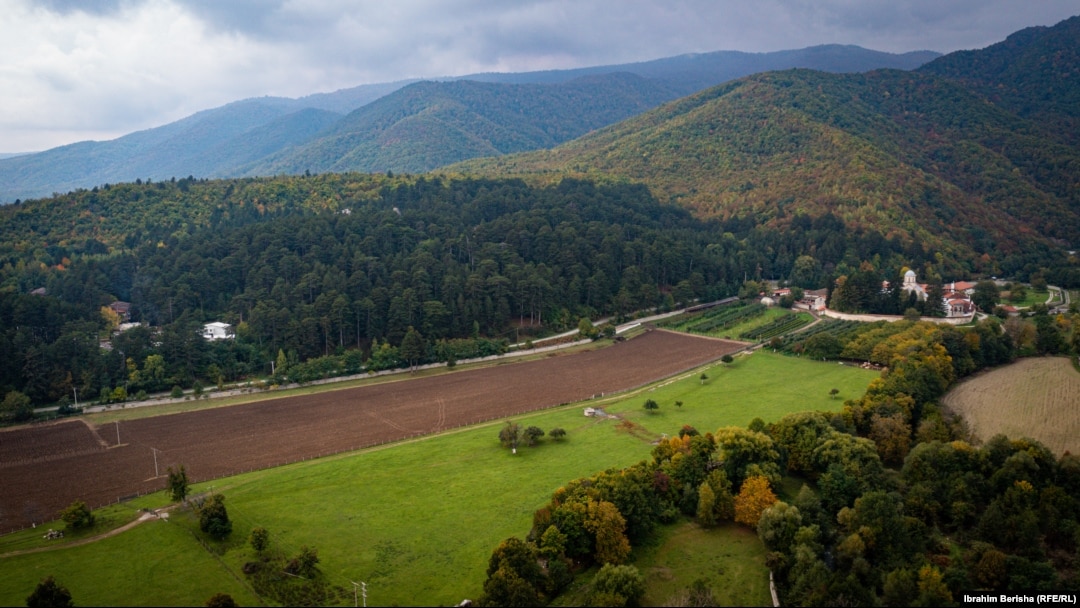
[754, 497]
[112, 318]
[608, 526]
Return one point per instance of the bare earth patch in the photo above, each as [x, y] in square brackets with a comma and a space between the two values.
[43, 468]
[1034, 397]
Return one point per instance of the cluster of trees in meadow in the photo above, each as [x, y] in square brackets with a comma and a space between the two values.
[898, 504]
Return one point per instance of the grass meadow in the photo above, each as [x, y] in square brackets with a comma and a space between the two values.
[418, 520]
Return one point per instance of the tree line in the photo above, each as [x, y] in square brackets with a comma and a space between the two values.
[899, 504]
[327, 274]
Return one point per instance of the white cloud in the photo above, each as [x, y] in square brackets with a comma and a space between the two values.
[76, 70]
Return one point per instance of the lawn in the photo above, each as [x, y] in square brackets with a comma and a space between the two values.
[418, 520]
[1031, 298]
[156, 563]
[729, 559]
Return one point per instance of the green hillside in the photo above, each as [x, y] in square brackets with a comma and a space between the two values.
[909, 155]
[1034, 72]
[431, 124]
[959, 156]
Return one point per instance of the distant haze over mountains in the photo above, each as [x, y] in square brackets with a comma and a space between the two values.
[413, 126]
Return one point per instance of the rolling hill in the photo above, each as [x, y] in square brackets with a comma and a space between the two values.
[258, 136]
[913, 155]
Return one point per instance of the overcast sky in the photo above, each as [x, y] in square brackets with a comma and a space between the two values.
[73, 70]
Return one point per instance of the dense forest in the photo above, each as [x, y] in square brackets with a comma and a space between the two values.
[317, 268]
[313, 267]
[898, 505]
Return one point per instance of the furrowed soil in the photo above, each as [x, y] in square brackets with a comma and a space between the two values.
[43, 468]
[1036, 397]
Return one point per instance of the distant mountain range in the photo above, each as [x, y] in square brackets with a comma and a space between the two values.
[407, 125]
[970, 153]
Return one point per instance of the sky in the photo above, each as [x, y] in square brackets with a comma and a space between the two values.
[74, 70]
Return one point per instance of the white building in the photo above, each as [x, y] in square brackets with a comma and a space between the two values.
[218, 331]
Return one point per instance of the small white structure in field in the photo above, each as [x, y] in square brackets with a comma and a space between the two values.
[218, 331]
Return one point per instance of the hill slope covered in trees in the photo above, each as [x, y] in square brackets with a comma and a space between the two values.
[236, 139]
[908, 154]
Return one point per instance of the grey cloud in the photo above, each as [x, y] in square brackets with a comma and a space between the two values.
[94, 7]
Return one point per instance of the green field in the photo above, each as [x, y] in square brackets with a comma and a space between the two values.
[729, 558]
[1031, 298]
[417, 521]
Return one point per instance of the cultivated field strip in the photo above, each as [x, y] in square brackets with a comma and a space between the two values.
[217, 442]
[1034, 397]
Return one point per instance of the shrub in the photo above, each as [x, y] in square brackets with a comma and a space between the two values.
[77, 516]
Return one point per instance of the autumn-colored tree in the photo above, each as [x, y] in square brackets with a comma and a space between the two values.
[608, 527]
[892, 436]
[932, 588]
[754, 497]
[746, 453]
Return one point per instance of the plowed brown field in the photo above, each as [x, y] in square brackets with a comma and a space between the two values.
[44, 468]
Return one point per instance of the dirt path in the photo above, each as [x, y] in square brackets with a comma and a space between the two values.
[147, 516]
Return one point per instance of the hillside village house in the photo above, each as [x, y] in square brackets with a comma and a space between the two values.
[122, 310]
[813, 300]
[218, 331]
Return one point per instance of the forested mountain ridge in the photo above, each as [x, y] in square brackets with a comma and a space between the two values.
[431, 124]
[909, 154]
[1035, 73]
[232, 140]
[905, 154]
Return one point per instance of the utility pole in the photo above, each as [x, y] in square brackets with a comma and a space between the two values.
[363, 592]
[118, 435]
[76, 391]
[155, 451]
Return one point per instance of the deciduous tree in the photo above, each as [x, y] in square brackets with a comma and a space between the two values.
[754, 497]
[412, 348]
[214, 518]
[177, 483]
[624, 584]
[608, 527]
[49, 593]
[77, 516]
[510, 435]
[260, 539]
